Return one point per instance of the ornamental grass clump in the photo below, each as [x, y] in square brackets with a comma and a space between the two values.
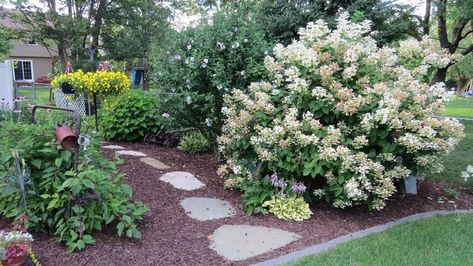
[339, 114]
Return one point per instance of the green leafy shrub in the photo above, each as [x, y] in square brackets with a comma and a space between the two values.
[194, 142]
[255, 193]
[343, 116]
[36, 179]
[130, 116]
[200, 65]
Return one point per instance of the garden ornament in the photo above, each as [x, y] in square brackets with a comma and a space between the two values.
[83, 141]
[66, 136]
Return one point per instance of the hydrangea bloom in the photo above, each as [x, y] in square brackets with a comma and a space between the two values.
[337, 112]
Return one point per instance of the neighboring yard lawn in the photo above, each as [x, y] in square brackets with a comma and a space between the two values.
[443, 240]
[42, 94]
[459, 159]
[460, 107]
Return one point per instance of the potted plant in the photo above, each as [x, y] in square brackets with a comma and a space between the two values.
[14, 247]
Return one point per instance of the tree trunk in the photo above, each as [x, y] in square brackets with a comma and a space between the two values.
[440, 75]
[426, 22]
[62, 53]
[98, 23]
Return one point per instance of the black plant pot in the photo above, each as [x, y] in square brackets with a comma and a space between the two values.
[67, 88]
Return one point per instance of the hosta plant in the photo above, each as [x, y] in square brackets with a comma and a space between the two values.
[288, 204]
[341, 115]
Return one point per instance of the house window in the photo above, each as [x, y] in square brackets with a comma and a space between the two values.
[23, 69]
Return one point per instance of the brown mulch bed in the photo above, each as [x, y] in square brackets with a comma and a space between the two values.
[170, 237]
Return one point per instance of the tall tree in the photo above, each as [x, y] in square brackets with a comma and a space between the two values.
[454, 25]
[131, 28]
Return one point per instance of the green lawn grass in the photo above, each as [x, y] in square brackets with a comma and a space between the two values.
[460, 107]
[42, 94]
[442, 240]
[458, 159]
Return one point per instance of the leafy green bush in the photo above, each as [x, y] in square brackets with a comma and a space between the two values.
[343, 116]
[255, 193]
[130, 116]
[194, 142]
[36, 179]
[202, 64]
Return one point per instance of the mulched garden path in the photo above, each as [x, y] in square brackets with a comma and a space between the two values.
[170, 237]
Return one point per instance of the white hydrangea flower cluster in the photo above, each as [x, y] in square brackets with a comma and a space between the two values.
[339, 110]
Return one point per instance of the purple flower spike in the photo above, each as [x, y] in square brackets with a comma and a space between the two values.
[274, 180]
[298, 188]
[17, 111]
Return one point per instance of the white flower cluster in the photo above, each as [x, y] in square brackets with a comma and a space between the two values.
[337, 99]
[468, 173]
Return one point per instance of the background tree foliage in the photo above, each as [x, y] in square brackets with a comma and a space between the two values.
[281, 18]
[73, 25]
[5, 42]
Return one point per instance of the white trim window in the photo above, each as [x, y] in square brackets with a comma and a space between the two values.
[23, 70]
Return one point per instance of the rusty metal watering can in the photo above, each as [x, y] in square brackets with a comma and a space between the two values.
[65, 135]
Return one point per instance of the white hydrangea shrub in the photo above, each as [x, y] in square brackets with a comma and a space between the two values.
[341, 115]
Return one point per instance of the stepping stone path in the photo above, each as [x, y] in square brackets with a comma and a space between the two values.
[233, 242]
[154, 163]
[131, 153]
[240, 242]
[204, 209]
[182, 180]
[113, 147]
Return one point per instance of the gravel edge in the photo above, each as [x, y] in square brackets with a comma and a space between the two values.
[316, 249]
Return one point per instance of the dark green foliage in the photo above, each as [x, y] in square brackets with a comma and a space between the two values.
[282, 19]
[255, 193]
[71, 205]
[202, 64]
[194, 142]
[130, 116]
[5, 42]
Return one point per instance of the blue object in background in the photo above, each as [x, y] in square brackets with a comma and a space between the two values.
[469, 93]
[136, 77]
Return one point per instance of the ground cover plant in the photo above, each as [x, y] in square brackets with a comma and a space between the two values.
[37, 181]
[130, 116]
[416, 243]
[341, 115]
[194, 142]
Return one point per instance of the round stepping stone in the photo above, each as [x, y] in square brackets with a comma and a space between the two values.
[240, 242]
[131, 153]
[204, 209]
[154, 163]
[113, 147]
[182, 180]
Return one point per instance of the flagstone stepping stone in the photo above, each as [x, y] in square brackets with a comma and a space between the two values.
[131, 153]
[113, 147]
[204, 209]
[240, 242]
[154, 163]
[182, 180]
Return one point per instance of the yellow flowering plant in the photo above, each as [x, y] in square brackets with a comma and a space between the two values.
[101, 83]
